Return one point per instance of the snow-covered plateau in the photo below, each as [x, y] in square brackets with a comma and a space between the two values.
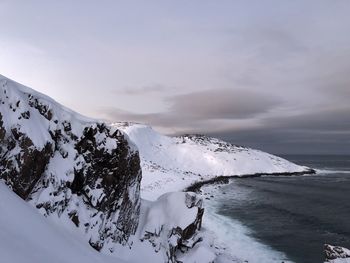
[89, 191]
[176, 163]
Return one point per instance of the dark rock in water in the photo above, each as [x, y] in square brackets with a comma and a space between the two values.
[335, 252]
[79, 170]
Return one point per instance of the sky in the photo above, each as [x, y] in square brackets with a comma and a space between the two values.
[273, 75]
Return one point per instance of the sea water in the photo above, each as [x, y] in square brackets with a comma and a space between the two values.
[288, 217]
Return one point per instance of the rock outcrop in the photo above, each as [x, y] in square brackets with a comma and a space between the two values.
[336, 254]
[76, 169]
[172, 222]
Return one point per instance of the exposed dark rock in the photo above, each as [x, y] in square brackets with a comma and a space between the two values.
[75, 218]
[25, 115]
[335, 252]
[21, 171]
[68, 166]
[168, 236]
[226, 179]
[221, 146]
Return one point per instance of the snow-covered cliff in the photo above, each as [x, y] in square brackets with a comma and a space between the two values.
[82, 171]
[85, 175]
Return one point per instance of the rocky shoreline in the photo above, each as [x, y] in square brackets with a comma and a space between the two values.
[195, 187]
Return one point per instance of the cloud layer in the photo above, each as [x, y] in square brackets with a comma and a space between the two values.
[270, 74]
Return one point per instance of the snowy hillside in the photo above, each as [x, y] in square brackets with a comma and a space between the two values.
[26, 236]
[174, 163]
[68, 166]
[85, 176]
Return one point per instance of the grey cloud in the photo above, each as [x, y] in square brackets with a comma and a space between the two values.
[334, 120]
[296, 50]
[196, 108]
[223, 104]
[155, 119]
[268, 43]
[283, 141]
[324, 131]
[276, 43]
[156, 88]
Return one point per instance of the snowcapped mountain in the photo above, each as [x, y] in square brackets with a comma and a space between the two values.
[176, 163]
[68, 166]
[84, 175]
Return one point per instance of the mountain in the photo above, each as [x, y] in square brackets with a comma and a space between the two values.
[176, 163]
[26, 236]
[69, 166]
[85, 175]
[87, 178]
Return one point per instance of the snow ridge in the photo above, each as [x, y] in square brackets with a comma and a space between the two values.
[81, 171]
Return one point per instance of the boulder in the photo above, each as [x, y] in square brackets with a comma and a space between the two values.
[336, 253]
[171, 223]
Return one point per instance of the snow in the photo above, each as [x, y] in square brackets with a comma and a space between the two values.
[340, 260]
[232, 235]
[171, 210]
[17, 97]
[41, 119]
[175, 163]
[199, 254]
[27, 236]
[341, 254]
[169, 164]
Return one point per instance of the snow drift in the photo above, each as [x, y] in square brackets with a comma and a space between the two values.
[26, 236]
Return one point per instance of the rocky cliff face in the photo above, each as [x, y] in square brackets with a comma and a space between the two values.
[68, 166]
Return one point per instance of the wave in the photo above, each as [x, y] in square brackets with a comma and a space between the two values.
[329, 171]
[237, 237]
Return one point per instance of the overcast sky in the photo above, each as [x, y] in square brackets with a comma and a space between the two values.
[274, 75]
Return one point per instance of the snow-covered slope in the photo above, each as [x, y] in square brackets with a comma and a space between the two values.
[82, 171]
[85, 176]
[174, 163]
[26, 236]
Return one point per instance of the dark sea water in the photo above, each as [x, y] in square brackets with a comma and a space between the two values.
[295, 215]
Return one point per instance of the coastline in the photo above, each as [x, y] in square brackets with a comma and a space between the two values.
[232, 241]
[170, 164]
[196, 186]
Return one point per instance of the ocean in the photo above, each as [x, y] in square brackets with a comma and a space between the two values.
[293, 216]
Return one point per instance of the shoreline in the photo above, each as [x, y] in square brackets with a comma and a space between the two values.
[196, 187]
[230, 253]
